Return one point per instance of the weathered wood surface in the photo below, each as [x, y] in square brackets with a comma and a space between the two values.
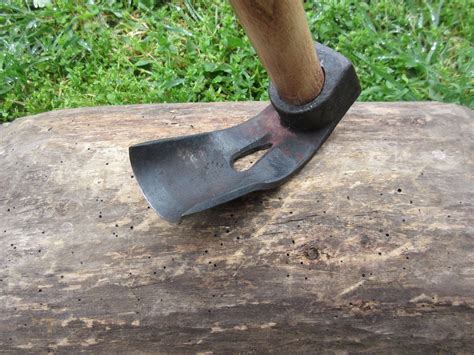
[369, 248]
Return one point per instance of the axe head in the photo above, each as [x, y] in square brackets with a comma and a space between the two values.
[184, 175]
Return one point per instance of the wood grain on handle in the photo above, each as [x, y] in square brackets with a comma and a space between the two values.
[279, 32]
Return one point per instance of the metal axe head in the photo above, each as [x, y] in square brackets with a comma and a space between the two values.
[183, 175]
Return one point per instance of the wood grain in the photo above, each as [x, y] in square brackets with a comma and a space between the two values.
[279, 32]
[368, 248]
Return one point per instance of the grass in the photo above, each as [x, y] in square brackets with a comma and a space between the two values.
[110, 52]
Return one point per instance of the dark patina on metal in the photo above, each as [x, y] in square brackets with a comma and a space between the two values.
[184, 175]
[341, 88]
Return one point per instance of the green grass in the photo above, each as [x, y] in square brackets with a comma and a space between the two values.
[110, 52]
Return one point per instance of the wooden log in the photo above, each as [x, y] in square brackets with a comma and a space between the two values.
[368, 248]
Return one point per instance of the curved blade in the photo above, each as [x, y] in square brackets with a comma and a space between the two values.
[184, 175]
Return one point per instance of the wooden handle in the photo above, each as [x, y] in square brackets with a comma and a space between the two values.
[279, 32]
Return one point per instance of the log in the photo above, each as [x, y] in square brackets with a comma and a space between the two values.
[368, 248]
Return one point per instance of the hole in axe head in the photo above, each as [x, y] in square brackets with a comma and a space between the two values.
[247, 159]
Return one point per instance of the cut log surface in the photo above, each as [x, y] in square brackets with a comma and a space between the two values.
[368, 248]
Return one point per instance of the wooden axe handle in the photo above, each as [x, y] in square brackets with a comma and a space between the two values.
[279, 32]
